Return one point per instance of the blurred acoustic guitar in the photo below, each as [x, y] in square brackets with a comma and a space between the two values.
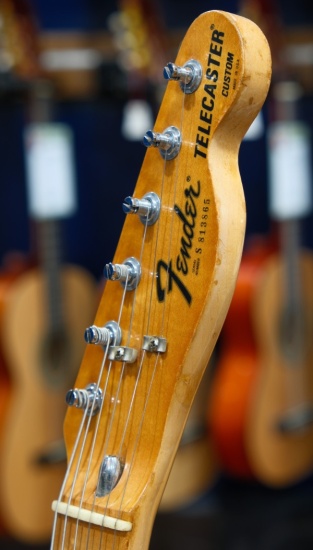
[44, 308]
[44, 311]
[279, 435]
[168, 290]
[237, 365]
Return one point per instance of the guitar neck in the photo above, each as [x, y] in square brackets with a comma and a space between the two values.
[290, 249]
[49, 244]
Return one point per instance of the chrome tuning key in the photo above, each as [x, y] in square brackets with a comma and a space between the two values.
[169, 142]
[104, 336]
[147, 208]
[90, 398]
[128, 273]
[189, 76]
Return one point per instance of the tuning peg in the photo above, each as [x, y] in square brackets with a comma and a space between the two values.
[169, 142]
[189, 76]
[109, 334]
[148, 208]
[128, 273]
[89, 398]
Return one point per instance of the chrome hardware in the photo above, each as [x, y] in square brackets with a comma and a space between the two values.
[128, 273]
[148, 208]
[110, 473]
[122, 353]
[169, 143]
[109, 334]
[154, 344]
[89, 398]
[189, 76]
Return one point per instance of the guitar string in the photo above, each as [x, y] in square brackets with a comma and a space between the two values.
[83, 443]
[66, 477]
[131, 464]
[99, 415]
[96, 430]
[116, 397]
[132, 402]
[136, 445]
[139, 371]
[92, 445]
[81, 456]
[142, 357]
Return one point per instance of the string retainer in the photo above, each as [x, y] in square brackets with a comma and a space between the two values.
[123, 354]
[110, 472]
[155, 344]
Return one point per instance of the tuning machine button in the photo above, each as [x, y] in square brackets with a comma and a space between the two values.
[189, 76]
[147, 208]
[128, 273]
[169, 142]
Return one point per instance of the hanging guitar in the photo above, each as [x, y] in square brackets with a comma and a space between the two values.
[279, 431]
[237, 366]
[168, 290]
[44, 306]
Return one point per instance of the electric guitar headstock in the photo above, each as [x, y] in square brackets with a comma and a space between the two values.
[168, 290]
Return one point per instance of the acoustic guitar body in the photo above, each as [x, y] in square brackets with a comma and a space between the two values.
[279, 437]
[237, 367]
[39, 368]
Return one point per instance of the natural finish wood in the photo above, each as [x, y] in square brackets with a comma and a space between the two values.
[281, 459]
[195, 468]
[32, 420]
[205, 189]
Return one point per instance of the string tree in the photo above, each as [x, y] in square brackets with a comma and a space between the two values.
[154, 344]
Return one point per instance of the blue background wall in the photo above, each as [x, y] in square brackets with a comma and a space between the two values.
[105, 177]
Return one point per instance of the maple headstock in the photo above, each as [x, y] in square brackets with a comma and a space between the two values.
[150, 363]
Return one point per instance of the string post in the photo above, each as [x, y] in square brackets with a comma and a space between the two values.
[189, 75]
[89, 398]
[168, 142]
[128, 273]
[147, 208]
[104, 336]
